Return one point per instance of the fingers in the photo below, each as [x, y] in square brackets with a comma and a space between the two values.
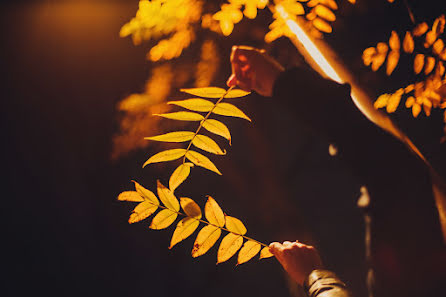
[241, 60]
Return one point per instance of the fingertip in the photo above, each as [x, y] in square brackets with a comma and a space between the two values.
[231, 81]
[273, 246]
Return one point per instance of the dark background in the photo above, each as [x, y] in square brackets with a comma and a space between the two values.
[64, 68]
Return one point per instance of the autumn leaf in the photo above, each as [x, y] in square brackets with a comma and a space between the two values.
[265, 253]
[249, 250]
[429, 65]
[234, 225]
[163, 219]
[322, 25]
[182, 116]
[325, 13]
[207, 144]
[230, 244]
[206, 238]
[142, 211]
[168, 155]
[185, 228]
[418, 63]
[178, 136]
[202, 161]
[218, 128]
[408, 43]
[179, 175]
[392, 61]
[147, 194]
[131, 196]
[213, 212]
[420, 29]
[394, 41]
[167, 197]
[227, 109]
[214, 92]
[195, 104]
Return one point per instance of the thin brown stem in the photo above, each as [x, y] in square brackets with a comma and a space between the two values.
[409, 10]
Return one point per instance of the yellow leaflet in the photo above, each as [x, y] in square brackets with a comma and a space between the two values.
[200, 160]
[420, 29]
[292, 7]
[166, 196]
[408, 43]
[394, 41]
[418, 63]
[167, 155]
[235, 225]
[325, 13]
[322, 25]
[163, 219]
[178, 136]
[184, 229]
[430, 39]
[147, 194]
[179, 175]
[249, 250]
[195, 104]
[213, 213]
[131, 196]
[416, 109]
[207, 144]
[394, 101]
[430, 64]
[392, 61]
[227, 109]
[190, 208]
[330, 3]
[230, 244]
[182, 116]
[438, 46]
[142, 211]
[214, 92]
[265, 253]
[381, 101]
[206, 238]
[218, 128]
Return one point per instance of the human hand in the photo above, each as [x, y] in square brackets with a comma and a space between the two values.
[297, 259]
[252, 69]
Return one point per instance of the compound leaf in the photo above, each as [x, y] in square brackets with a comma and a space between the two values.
[230, 244]
[195, 104]
[179, 175]
[163, 219]
[178, 136]
[236, 226]
[182, 116]
[131, 196]
[207, 144]
[142, 211]
[213, 213]
[206, 238]
[202, 161]
[168, 155]
[249, 250]
[227, 109]
[218, 128]
[214, 92]
[167, 197]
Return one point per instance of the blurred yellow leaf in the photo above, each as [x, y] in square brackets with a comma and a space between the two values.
[322, 25]
[392, 61]
[207, 144]
[367, 55]
[218, 128]
[182, 116]
[430, 39]
[416, 109]
[206, 238]
[236, 226]
[330, 4]
[131, 196]
[190, 208]
[265, 253]
[381, 101]
[142, 211]
[200, 160]
[325, 13]
[420, 29]
[213, 212]
[229, 15]
[394, 41]
[167, 197]
[184, 229]
[195, 104]
[418, 63]
[249, 250]
[227, 109]
[230, 244]
[377, 61]
[394, 101]
[438, 26]
[147, 194]
[410, 101]
[292, 7]
[408, 43]
[163, 219]
[179, 175]
[167, 155]
[427, 106]
[438, 46]
[178, 136]
[429, 65]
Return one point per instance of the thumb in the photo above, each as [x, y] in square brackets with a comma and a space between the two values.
[232, 81]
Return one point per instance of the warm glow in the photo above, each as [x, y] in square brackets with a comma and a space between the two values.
[309, 46]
